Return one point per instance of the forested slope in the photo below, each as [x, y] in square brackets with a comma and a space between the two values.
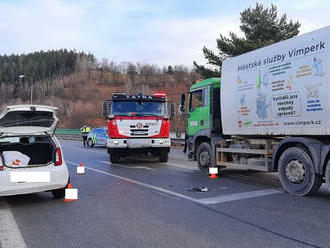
[77, 83]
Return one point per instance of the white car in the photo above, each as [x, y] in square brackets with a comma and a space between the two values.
[31, 157]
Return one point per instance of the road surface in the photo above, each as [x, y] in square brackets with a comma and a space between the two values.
[143, 203]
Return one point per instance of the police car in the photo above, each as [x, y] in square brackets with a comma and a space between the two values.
[97, 136]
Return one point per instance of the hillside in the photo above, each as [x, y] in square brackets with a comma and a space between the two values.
[80, 91]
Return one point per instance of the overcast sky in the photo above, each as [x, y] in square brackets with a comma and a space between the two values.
[152, 31]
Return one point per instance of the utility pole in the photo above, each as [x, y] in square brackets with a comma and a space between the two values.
[31, 89]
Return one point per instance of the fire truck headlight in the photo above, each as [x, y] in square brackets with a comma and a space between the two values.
[116, 142]
[161, 141]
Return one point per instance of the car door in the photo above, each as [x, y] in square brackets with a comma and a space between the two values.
[103, 137]
[94, 136]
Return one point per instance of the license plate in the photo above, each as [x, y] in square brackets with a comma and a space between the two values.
[140, 132]
[30, 176]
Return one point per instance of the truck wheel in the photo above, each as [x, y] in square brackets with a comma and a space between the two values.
[327, 175]
[297, 173]
[114, 157]
[204, 157]
[163, 156]
[90, 143]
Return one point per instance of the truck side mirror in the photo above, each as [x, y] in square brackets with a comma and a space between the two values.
[106, 109]
[172, 110]
[182, 103]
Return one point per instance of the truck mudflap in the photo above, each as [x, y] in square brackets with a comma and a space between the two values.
[138, 143]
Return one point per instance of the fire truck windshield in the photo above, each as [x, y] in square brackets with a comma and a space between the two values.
[138, 108]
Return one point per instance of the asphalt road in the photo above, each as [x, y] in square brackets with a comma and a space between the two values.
[143, 203]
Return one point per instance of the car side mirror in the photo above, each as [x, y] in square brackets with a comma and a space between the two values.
[182, 103]
[106, 109]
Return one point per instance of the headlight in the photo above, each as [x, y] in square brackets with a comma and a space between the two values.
[161, 141]
[116, 142]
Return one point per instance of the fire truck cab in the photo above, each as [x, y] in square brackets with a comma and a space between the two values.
[138, 124]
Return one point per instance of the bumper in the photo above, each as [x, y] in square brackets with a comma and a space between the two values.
[59, 177]
[138, 143]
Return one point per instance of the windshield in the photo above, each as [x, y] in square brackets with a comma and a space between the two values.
[27, 118]
[141, 108]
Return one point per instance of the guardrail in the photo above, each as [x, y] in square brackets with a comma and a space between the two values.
[75, 134]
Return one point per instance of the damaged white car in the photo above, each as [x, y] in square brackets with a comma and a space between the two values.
[31, 157]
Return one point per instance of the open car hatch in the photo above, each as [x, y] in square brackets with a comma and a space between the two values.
[28, 120]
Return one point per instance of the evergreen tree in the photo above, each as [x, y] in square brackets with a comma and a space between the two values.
[41, 65]
[169, 70]
[260, 26]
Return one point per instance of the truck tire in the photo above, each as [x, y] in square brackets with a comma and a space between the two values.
[90, 143]
[163, 155]
[114, 157]
[327, 175]
[204, 157]
[297, 172]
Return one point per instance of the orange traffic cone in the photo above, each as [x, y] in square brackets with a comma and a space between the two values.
[81, 169]
[213, 172]
[70, 194]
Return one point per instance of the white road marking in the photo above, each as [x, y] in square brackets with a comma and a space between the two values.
[140, 183]
[10, 235]
[128, 167]
[182, 166]
[238, 196]
[204, 201]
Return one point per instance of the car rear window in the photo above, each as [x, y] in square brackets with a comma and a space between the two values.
[27, 118]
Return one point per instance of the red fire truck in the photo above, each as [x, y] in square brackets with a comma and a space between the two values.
[138, 124]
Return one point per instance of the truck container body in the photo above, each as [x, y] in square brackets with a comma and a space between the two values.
[281, 89]
[269, 112]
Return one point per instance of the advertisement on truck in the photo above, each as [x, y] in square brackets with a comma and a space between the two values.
[281, 89]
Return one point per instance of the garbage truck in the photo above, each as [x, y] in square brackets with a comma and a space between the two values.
[269, 111]
[138, 124]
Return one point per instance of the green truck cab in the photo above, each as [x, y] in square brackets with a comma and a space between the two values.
[203, 121]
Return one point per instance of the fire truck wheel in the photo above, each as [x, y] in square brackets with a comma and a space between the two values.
[163, 156]
[114, 157]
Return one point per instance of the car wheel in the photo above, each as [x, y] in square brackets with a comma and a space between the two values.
[204, 157]
[114, 157]
[163, 156]
[297, 172]
[59, 193]
[90, 143]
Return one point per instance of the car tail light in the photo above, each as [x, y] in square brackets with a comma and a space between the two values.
[58, 157]
[1, 167]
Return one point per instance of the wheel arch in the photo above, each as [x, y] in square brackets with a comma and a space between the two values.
[325, 157]
[312, 146]
[199, 140]
[200, 137]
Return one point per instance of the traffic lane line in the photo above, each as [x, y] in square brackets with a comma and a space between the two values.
[238, 196]
[10, 235]
[128, 167]
[163, 165]
[203, 201]
[138, 183]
